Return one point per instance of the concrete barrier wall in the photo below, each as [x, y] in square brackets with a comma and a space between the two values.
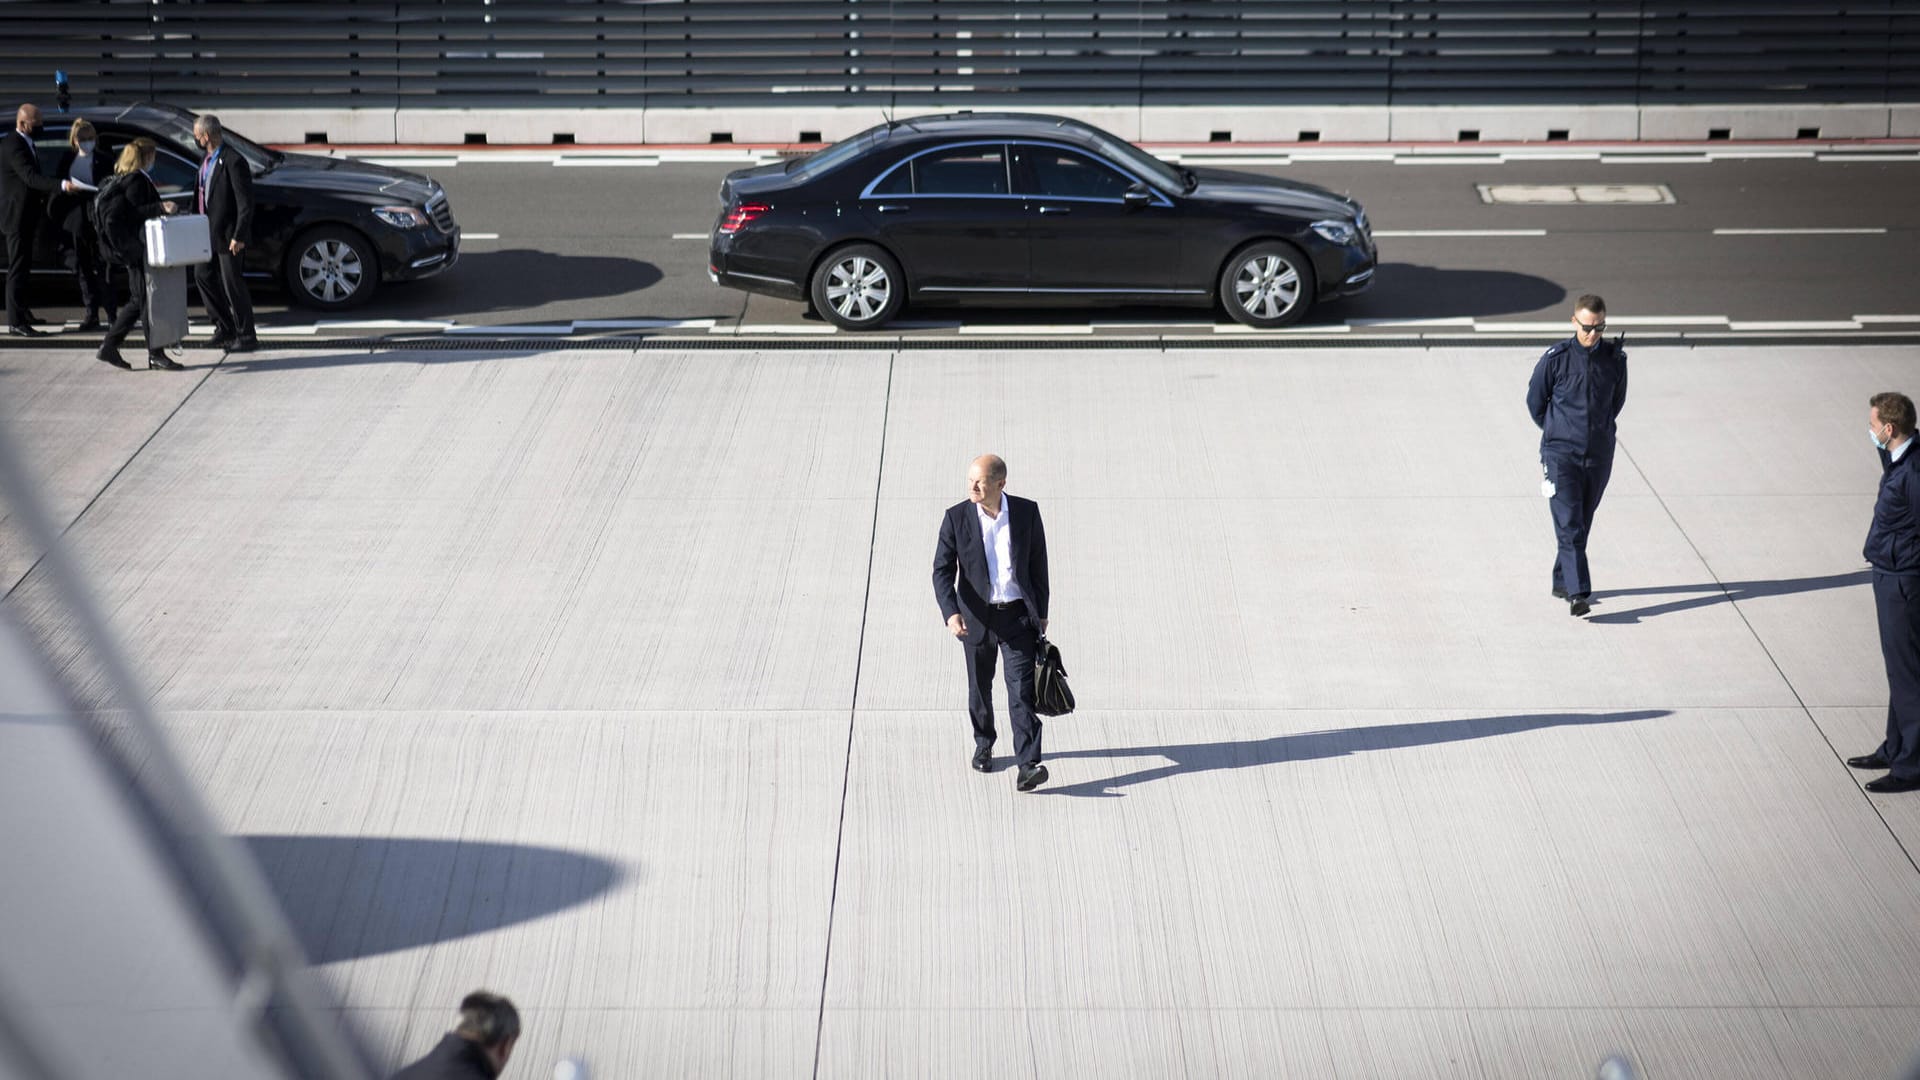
[1190, 124]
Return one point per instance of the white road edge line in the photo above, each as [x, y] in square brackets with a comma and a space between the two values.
[479, 235]
[689, 236]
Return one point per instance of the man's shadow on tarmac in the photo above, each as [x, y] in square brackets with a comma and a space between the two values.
[1716, 592]
[354, 896]
[1316, 745]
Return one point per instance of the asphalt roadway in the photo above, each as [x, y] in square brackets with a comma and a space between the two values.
[1760, 238]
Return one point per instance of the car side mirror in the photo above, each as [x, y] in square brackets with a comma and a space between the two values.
[1137, 197]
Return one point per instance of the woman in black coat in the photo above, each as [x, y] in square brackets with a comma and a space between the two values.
[126, 203]
[87, 164]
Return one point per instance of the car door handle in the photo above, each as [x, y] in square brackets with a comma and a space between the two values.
[1056, 209]
[892, 208]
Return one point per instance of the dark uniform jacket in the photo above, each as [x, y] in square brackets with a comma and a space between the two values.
[455, 1058]
[61, 208]
[126, 202]
[1893, 541]
[23, 187]
[230, 199]
[1575, 396]
[961, 581]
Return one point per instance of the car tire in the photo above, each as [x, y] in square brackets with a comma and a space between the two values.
[1267, 285]
[858, 287]
[332, 268]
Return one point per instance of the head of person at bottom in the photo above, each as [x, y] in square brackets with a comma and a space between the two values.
[986, 479]
[1589, 319]
[491, 1023]
[1890, 419]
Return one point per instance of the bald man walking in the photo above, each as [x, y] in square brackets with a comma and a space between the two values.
[990, 579]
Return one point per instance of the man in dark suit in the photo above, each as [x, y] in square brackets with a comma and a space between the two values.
[23, 200]
[1893, 547]
[225, 190]
[990, 579]
[478, 1046]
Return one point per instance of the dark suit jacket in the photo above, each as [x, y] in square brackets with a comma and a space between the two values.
[124, 211]
[62, 207]
[230, 199]
[960, 581]
[455, 1058]
[23, 187]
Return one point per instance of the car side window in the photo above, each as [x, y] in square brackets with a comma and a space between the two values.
[48, 149]
[1067, 174]
[897, 182]
[961, 170]
[173, 175]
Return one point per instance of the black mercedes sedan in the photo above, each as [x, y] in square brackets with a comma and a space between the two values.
[332, 231]
[1012, 207]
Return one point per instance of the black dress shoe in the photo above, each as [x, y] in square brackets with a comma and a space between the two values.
[90, 323]
[26, 331]
[245, 344]
[1578, 606]
[1875, 760]
[163, 362]
[1893, 785]
[983, 759]
[1031, 776]
[110, 355]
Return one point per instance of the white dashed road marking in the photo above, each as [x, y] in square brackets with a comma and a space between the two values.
[1799, 232]
[1403, 233]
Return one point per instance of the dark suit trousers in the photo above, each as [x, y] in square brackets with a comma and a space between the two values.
[133, 311]
[1897, 600]
[1009, 634]
[1578, 483]
[20, 268]
[224, 292]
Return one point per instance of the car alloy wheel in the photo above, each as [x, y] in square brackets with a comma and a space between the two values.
[1268, 285]
[332, 268]
[858, 287]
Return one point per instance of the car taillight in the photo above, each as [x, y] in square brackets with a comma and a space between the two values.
[738, 217]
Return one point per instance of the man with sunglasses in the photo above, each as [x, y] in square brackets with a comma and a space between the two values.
[1577, 391]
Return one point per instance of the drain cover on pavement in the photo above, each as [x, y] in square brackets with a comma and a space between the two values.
[1564, 194]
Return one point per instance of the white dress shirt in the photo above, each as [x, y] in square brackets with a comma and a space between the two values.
[996, 536]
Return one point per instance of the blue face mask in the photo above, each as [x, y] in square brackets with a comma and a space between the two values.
[1877, 440]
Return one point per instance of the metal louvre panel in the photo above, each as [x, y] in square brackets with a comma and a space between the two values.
[663, 53]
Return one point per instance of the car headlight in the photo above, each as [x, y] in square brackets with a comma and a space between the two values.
[1336, 231]
[406, 217]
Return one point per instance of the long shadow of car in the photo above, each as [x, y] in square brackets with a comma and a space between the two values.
[330, 231]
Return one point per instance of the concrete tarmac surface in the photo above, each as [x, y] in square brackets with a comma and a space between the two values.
[612, 680]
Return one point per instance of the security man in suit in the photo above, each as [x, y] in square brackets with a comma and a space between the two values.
[1577, 391]
[479, 1045]
[23, 201]
[1893, 547]
[225, 190]
[990, 580]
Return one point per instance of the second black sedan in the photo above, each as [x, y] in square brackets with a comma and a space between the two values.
[1005, 208]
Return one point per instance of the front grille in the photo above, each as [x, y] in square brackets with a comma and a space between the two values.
[440, 211]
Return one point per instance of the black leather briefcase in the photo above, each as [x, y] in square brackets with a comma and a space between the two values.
[1051, 695]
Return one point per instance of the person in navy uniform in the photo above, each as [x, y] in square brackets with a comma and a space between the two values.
[1893, 548]
[1577, 391]
[990, 580]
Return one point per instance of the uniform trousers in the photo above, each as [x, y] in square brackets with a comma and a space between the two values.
[1578, 484]
[1008, 633]
[1896, 599]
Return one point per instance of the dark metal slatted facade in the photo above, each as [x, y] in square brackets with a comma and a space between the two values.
[661, 53]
